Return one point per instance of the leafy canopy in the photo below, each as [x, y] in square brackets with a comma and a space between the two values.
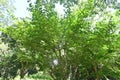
[83, 46]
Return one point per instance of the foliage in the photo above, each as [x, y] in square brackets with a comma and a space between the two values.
[74, 47]
[41, 76]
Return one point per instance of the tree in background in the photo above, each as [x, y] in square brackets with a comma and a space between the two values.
[9, 64]
[6, 12]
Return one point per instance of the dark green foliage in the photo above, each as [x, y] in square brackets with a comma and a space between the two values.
[9, 67]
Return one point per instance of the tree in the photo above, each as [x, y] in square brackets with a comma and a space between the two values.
[9, 64]
[6, 15]
[74, 47]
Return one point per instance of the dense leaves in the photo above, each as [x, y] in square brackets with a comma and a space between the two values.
[75, 47]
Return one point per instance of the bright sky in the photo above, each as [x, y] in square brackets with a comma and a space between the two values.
[21, 6]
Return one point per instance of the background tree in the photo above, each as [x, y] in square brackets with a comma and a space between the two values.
[9, 64]
[6, 12]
